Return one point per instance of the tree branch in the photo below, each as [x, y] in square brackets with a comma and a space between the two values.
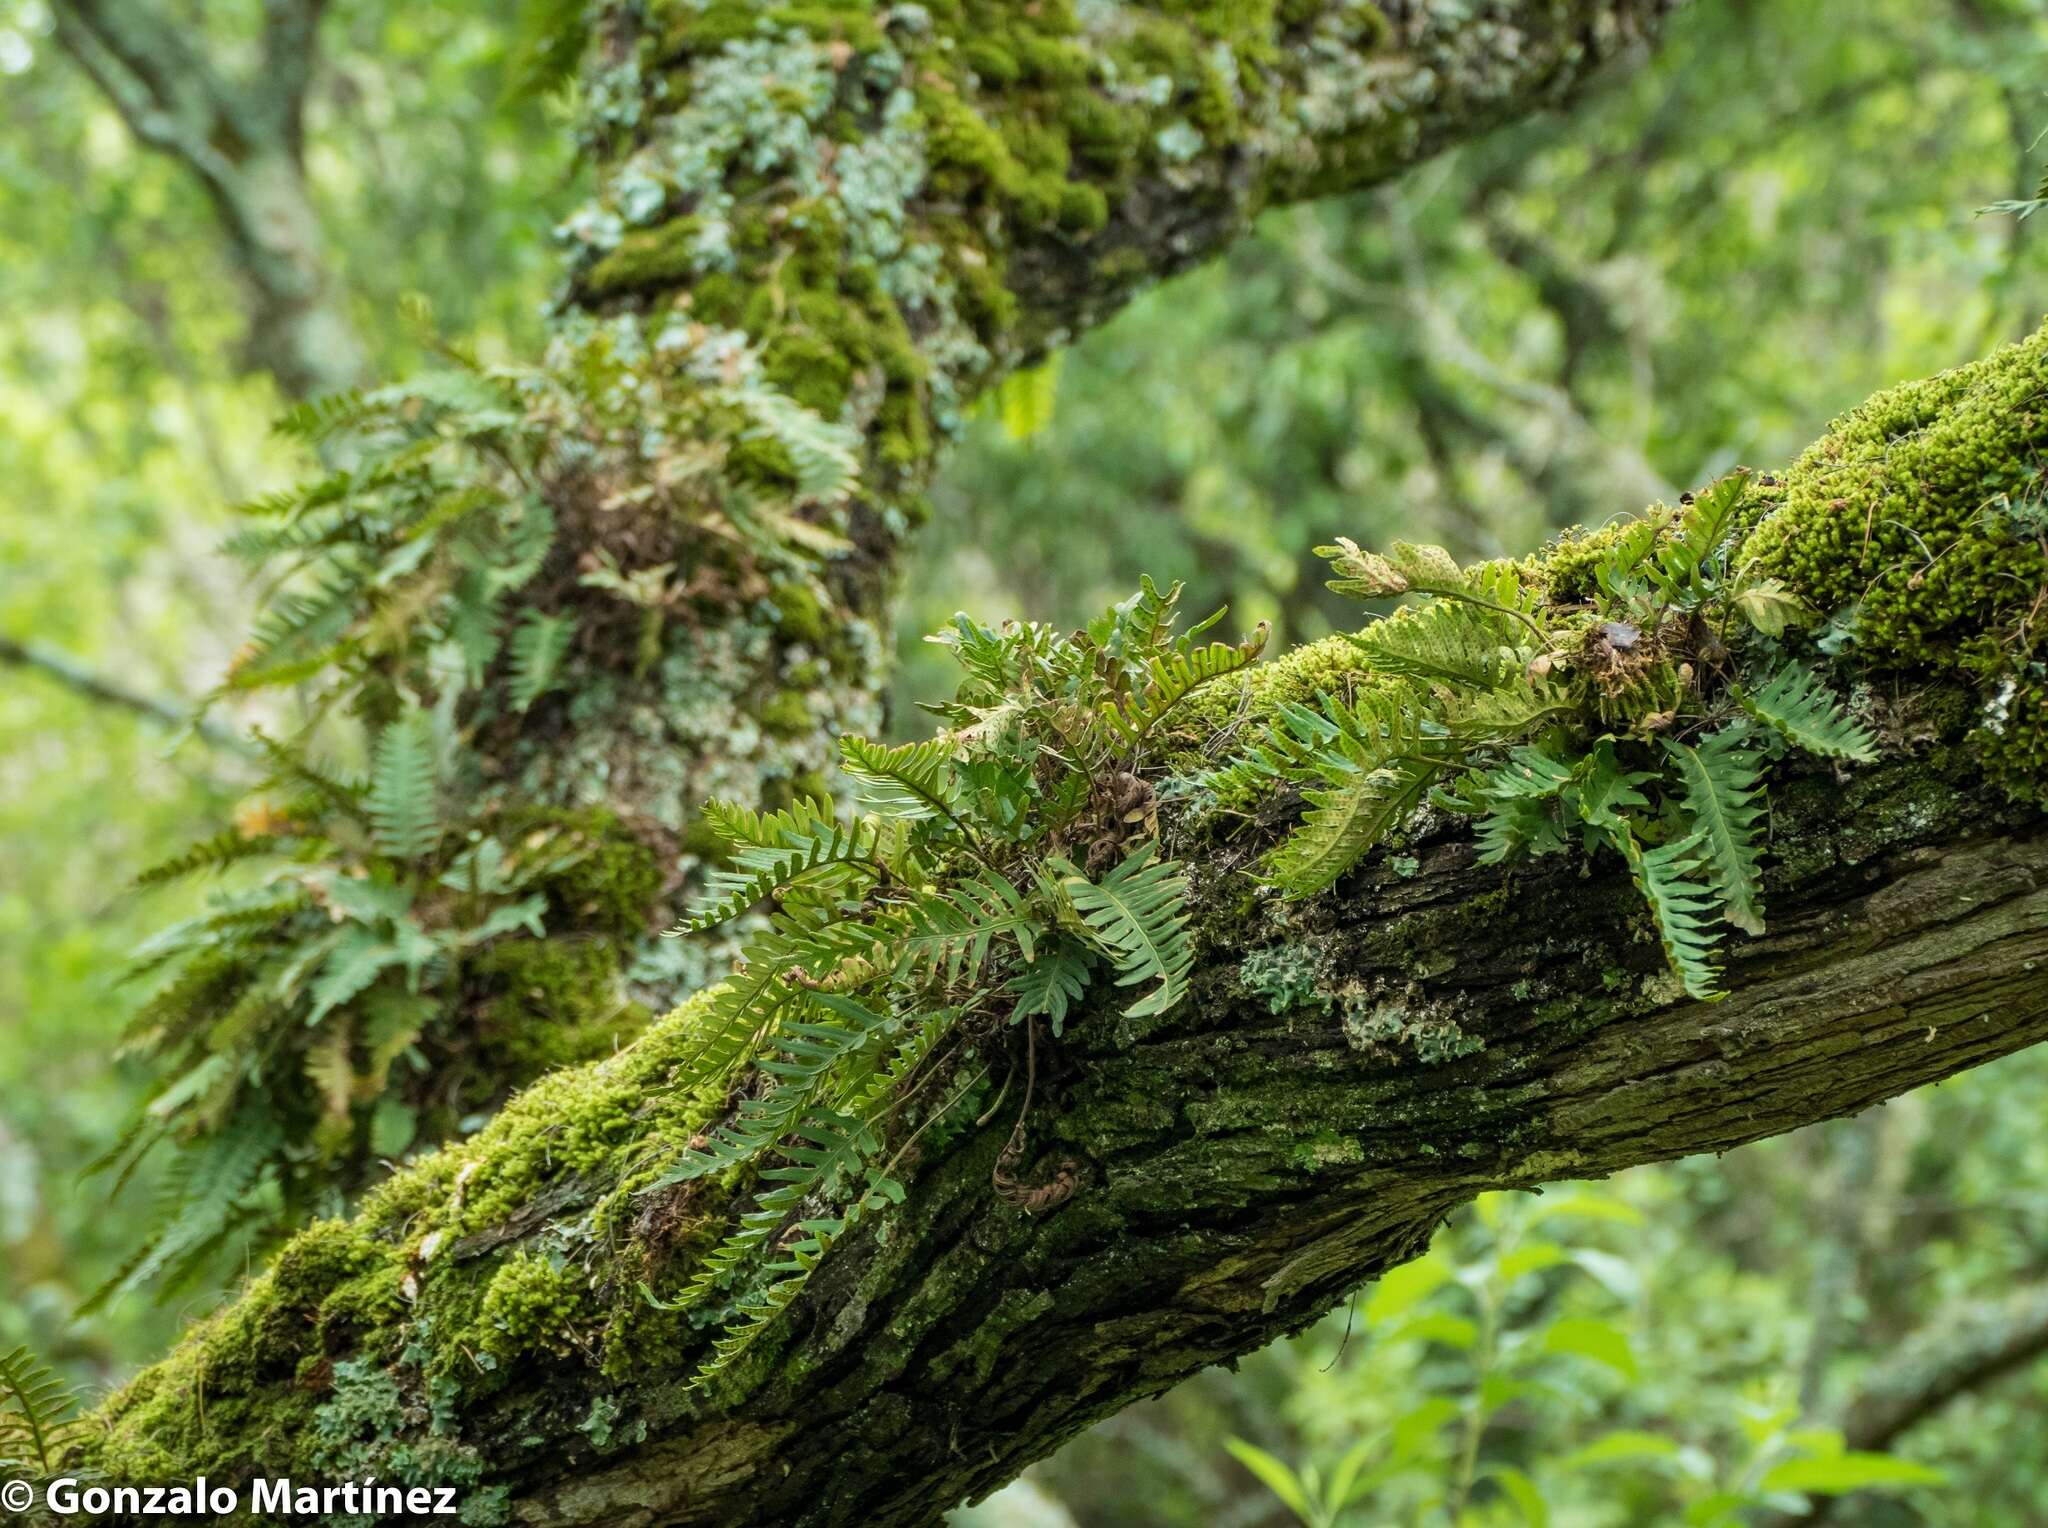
[244, 141]
[76, 677]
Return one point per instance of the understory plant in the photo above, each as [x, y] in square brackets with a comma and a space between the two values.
[1635, 714]
[998, 872]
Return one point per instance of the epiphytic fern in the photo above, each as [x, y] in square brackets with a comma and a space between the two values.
[896, 943]
[1802, 710]
[38, 1412]
[1618, 722]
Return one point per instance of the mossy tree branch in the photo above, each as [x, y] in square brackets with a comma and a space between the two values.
[914, 206]
[1347, 1070]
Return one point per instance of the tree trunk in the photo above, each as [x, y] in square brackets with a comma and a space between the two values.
[1347, 1071]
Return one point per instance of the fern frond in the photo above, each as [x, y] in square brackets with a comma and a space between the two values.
[1702, 529]
[1807, 714]
[775, 850]
[1345, 819]
[1681, 907]
[1723, 778]
[1447, 641]
[225, 848]
[912, 781]
[538, 647]
[1137, 915]
[405, 819]
[1050, 983]
[950, 932]
[37, 1412]
[1171, 679]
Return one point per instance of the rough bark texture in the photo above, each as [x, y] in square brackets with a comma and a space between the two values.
[1241, 1165]
[922, 200]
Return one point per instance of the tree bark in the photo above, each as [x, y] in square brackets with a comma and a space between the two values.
[1348, 1070]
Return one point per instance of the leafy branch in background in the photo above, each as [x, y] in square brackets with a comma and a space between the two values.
[1520, 1315]
[999, 872]
[1635, 712]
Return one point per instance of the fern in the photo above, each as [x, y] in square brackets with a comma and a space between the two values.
[912, 781]
[1680, 566]
[38, 1412]
[1806, 714]
[1461, 644]
[1680, 906]
[538, 647]
[1171, 679]
[785, 846]
[216, 853]
[1050, 983]
[1137, 916]
[1723, 779]
[404, 815]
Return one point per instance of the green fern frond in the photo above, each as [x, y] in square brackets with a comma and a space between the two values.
[950, 933]
[1171, 679]
[1345, 818]
[774, 851]
[1682, 558]
[227, 847]
[1451, 642]
[1137, 916]
[1682, 908]
[1807, 714]
[405, 819]
[1723, 780]
[38, 1411]
[538, 647]
[912, 781]
[1050, 983]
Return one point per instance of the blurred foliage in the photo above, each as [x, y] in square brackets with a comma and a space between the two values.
[131, 424]
[1693, 271]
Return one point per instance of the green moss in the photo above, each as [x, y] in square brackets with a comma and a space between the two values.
[650, 259]
[548, 1003]
[532, 1304]
[1916, 524]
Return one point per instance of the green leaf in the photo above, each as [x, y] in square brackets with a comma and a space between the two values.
[404, 814]
[355, 962]
[37, 1411]
[1771, 607]
[1521, 1490]
[1837, 1474]
[1276, 1476]
[1401, 1289]
[1807, 715]
[1589, 1337]
[538, 647]
[1680, 907]
[1723, 780]
[1050, 983]
[1620, 1447]
[1137, 914]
